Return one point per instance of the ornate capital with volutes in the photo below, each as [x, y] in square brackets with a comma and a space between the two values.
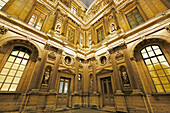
[3, 30]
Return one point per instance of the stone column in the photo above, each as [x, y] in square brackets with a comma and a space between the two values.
[55, 19]
[105, 24]
[55, 70]
[76, 76]
[94, 74]
[115, 72]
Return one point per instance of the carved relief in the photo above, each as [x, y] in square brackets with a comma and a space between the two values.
[51, 56]
[3, 30]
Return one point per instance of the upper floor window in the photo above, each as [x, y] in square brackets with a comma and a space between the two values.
[100, 34]
[37, 19]
[2, 3]
[13, 69]
[73, 10]
[158, 67]
[134, 18]
[79, 81]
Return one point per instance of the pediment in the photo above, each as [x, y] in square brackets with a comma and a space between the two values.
[67, 71]
[104, 71]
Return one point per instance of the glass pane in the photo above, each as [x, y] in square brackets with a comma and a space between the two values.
[61, 87]
[159, 88]
[148, 62]
[15, 66]
[4, 71]
[153, 74]
[65, 87]
[16, 80]
[9, 79]
[13, 87]
[161, 58]
[24, 62]
[151, 53]
[11, 59]
[167, 71]
[19, 73]
[157, 66]
[2, 78]
[18, 60]
[150, 67]
[143, 51]
[22, 67]
[21, 54]
[164, 80]
[167, 87]
[26, 56]
[158, 52]
[155, 47]
[5, 87]
[12, 72]
[154, 60]
[14, 53]
[156, 81]
[164, 64]
[160, 73]
[145, 55]
[149, 48]
[8, 65]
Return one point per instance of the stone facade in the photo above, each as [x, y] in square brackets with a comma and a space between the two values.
[59, 54]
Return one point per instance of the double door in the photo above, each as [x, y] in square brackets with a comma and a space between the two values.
[63, 92]
[107, 91]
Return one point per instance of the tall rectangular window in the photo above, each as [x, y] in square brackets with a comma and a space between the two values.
[13, 69]
[134, 18]
[37, 19]
[2, 3]
[73, 10]
[100, 34]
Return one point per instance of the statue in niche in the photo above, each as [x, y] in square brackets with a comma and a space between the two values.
[103, 60]
[46, 76]
[58, 27]
[112, 27]
[124, 75]
[67, 59]
[91, 83]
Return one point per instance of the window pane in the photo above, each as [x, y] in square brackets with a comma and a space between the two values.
[145, 55]
[167, 87]
[154, 60]
[5, 87]
[149, 48]
[8, 65]
[15, 66]
[158, 52]
[150, 67]
[19, 73]
[24, 62]
[9, 79]
[143, 51]
[26, 56]
[12, 72]
[14, 53]
[22, 67]
[21, 54]
[151, 53]
[4, 71]
[167, 71]
[161, 58]
[148, 62]
[157, 66]
[16, 80]
[65, 87]
[2, 78]
[153, 74]
[61, 87]
[13, 87]
[18, 60]
[161, 73]
[156, 80]
[165, 64]
[155, 47]
[164, 80]
[159, 88]
[11, 59]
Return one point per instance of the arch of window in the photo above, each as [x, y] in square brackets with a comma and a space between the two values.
[13, 69]
[158, 67]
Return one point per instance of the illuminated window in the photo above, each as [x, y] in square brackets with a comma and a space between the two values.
[134, 18]
[73, 10]
[158, 67]
[64, 86]
[13, 69]
[100, 34]
[2, 3]
[79, 81]
[37, 19]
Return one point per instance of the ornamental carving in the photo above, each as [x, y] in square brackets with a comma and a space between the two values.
[3, 30]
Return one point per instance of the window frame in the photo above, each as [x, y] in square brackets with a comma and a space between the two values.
[166, 60]
[99, 31]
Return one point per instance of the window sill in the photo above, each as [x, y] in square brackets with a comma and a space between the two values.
[9, 92]
[160, 94]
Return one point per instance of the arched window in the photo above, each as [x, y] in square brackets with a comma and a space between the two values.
[46, 76]
[13, 69]
[2, 3]
[79, 81]
[158, 67]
